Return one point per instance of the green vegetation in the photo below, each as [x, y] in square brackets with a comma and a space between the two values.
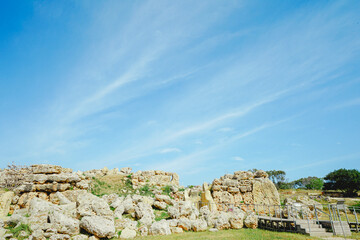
[146, 191]
[161, 214]
[278, 178]
[253, 234]
[314, 183]
[111, 184]
[166, 190]
[345, 180]
[16, 231]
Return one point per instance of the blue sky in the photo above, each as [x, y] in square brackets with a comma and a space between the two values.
[201, 88]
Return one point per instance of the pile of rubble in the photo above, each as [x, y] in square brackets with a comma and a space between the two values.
[56, 204]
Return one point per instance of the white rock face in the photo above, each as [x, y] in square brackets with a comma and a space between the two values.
[80, 237]
[160, 228]
[125, 223]
[5, 201]
[64, 224]
[184, 223]
[59, 237]
[128, 233]
[117, 202]
[37, 235]
[176, 230]
[199, 225]
[119, 211]
[62, 199]
[163, 198]
[222, 222]
[251, 221]
[160, 205]
[39, 212]
[91, 205]
[99, 226]
[183, 209]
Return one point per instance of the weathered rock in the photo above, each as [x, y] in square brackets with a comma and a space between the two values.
[176, 230]
[128, 233]
[125, 223]
[45, 169]
[160, 205]
[5, 201]
[222, 222]
[59, 237]
[237, 221]
[61, 198]
[163, 198]
[265, 192]
[199, 225]
[98, 226]
[64, 224]
[90, 205]
[80, 237]
[143, 231]
[37, 235]
[39, 211]
[251, 221]
[185, 224]
[117, 202]
[119, 211]
[160, 228]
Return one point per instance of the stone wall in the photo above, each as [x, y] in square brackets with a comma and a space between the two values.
[244, 187]
[154, 178]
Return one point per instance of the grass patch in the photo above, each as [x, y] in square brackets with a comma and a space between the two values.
[17, 230]
[253, 234]
[166, 190]
[160, 215]
[146, 191]
[109, 184]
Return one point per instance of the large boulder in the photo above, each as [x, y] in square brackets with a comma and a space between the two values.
[160, 228]
[64, 224]
[145, 213]
[127, 233]
[98, 226]
[237, 220]
[199, 225]
[185, 224]
[251, 221]
[222, 221]
[265, 192]
[91, 205]
[5, 201]
[39, 212]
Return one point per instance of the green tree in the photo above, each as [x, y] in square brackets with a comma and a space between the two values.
[346, 180]
[308, 183]
[278, 178]
[315, 184]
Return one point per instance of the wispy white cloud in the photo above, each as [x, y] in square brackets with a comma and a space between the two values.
[350, 103]
[170, 150]
[237, 158]
[225, 129]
